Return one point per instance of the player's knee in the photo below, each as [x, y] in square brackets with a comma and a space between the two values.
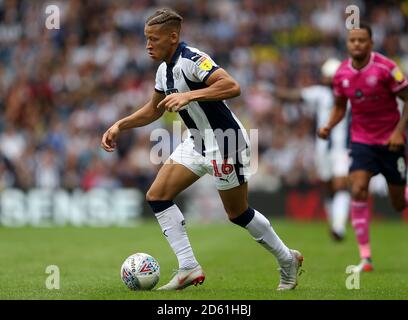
[156, 195]
[233, 211]
[399, 205]
[359, 192]
[150, 196]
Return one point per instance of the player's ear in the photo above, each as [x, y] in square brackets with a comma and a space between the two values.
[174, 37]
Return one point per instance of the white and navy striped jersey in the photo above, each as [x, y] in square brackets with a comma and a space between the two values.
[207, 121]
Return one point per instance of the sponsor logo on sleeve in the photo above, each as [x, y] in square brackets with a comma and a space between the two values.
[204, 64]
[397, 74]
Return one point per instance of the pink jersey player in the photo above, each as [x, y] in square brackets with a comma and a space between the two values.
[372, 93]
[372, 83]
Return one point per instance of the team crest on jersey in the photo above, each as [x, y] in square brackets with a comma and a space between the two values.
[397, 74]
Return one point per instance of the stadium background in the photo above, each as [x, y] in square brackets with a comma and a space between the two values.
[61, 89]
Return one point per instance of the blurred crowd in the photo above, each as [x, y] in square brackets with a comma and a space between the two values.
[61, 89]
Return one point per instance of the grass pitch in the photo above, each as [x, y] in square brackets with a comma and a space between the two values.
[236, 267]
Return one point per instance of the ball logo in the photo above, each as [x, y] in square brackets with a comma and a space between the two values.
[148, 267]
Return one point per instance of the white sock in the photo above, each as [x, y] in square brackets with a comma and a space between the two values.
[328, 205]
[261, 230]
[172, 224]
[341, 209]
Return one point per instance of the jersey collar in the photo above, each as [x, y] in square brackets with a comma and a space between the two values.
[176, 54]
[370, 62]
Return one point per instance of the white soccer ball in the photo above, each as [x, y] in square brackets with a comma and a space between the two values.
[140, 271]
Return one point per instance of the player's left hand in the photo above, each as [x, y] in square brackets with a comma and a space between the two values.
[174, 102]
[396, 141]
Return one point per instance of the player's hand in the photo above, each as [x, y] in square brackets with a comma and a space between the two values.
[396, 141]
[174, 102]
[109, 138]
[323, 133]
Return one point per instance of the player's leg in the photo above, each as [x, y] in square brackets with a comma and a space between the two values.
[181, 170]
[170, 181]
[394, 169]
[341, 207]
[397, 196]
[365, 164]
[360, 215]
[236, 206]
[324, 170]
[239, 212]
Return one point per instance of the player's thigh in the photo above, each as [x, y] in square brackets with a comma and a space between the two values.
[394, 167]
[359, 181]
[364, 165]
[235, 200]
[171, 179]
[397, 196]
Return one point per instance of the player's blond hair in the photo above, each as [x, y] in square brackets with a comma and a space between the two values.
[166, 17]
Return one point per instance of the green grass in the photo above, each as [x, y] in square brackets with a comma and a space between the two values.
[236, 266]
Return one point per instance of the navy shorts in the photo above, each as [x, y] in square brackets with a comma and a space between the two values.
[379, 159]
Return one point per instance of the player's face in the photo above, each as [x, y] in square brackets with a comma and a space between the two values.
[159, 42]
[359, 44]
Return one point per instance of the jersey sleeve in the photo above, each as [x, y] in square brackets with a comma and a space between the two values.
[397, 80]
[159, 83]
[337, 85]
[202, 67]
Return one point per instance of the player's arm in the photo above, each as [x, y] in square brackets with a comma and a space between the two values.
[293, 95]
[220, 86]
[337, 114]
[145, 115]
[396, 140]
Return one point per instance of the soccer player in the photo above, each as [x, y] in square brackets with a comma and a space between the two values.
[189, 82]
[331, 157]
[372, 83]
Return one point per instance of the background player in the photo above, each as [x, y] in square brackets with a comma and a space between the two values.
[189, 82]
[331, 157]
[372, 83]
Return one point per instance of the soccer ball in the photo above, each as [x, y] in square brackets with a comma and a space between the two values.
[140, 271]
